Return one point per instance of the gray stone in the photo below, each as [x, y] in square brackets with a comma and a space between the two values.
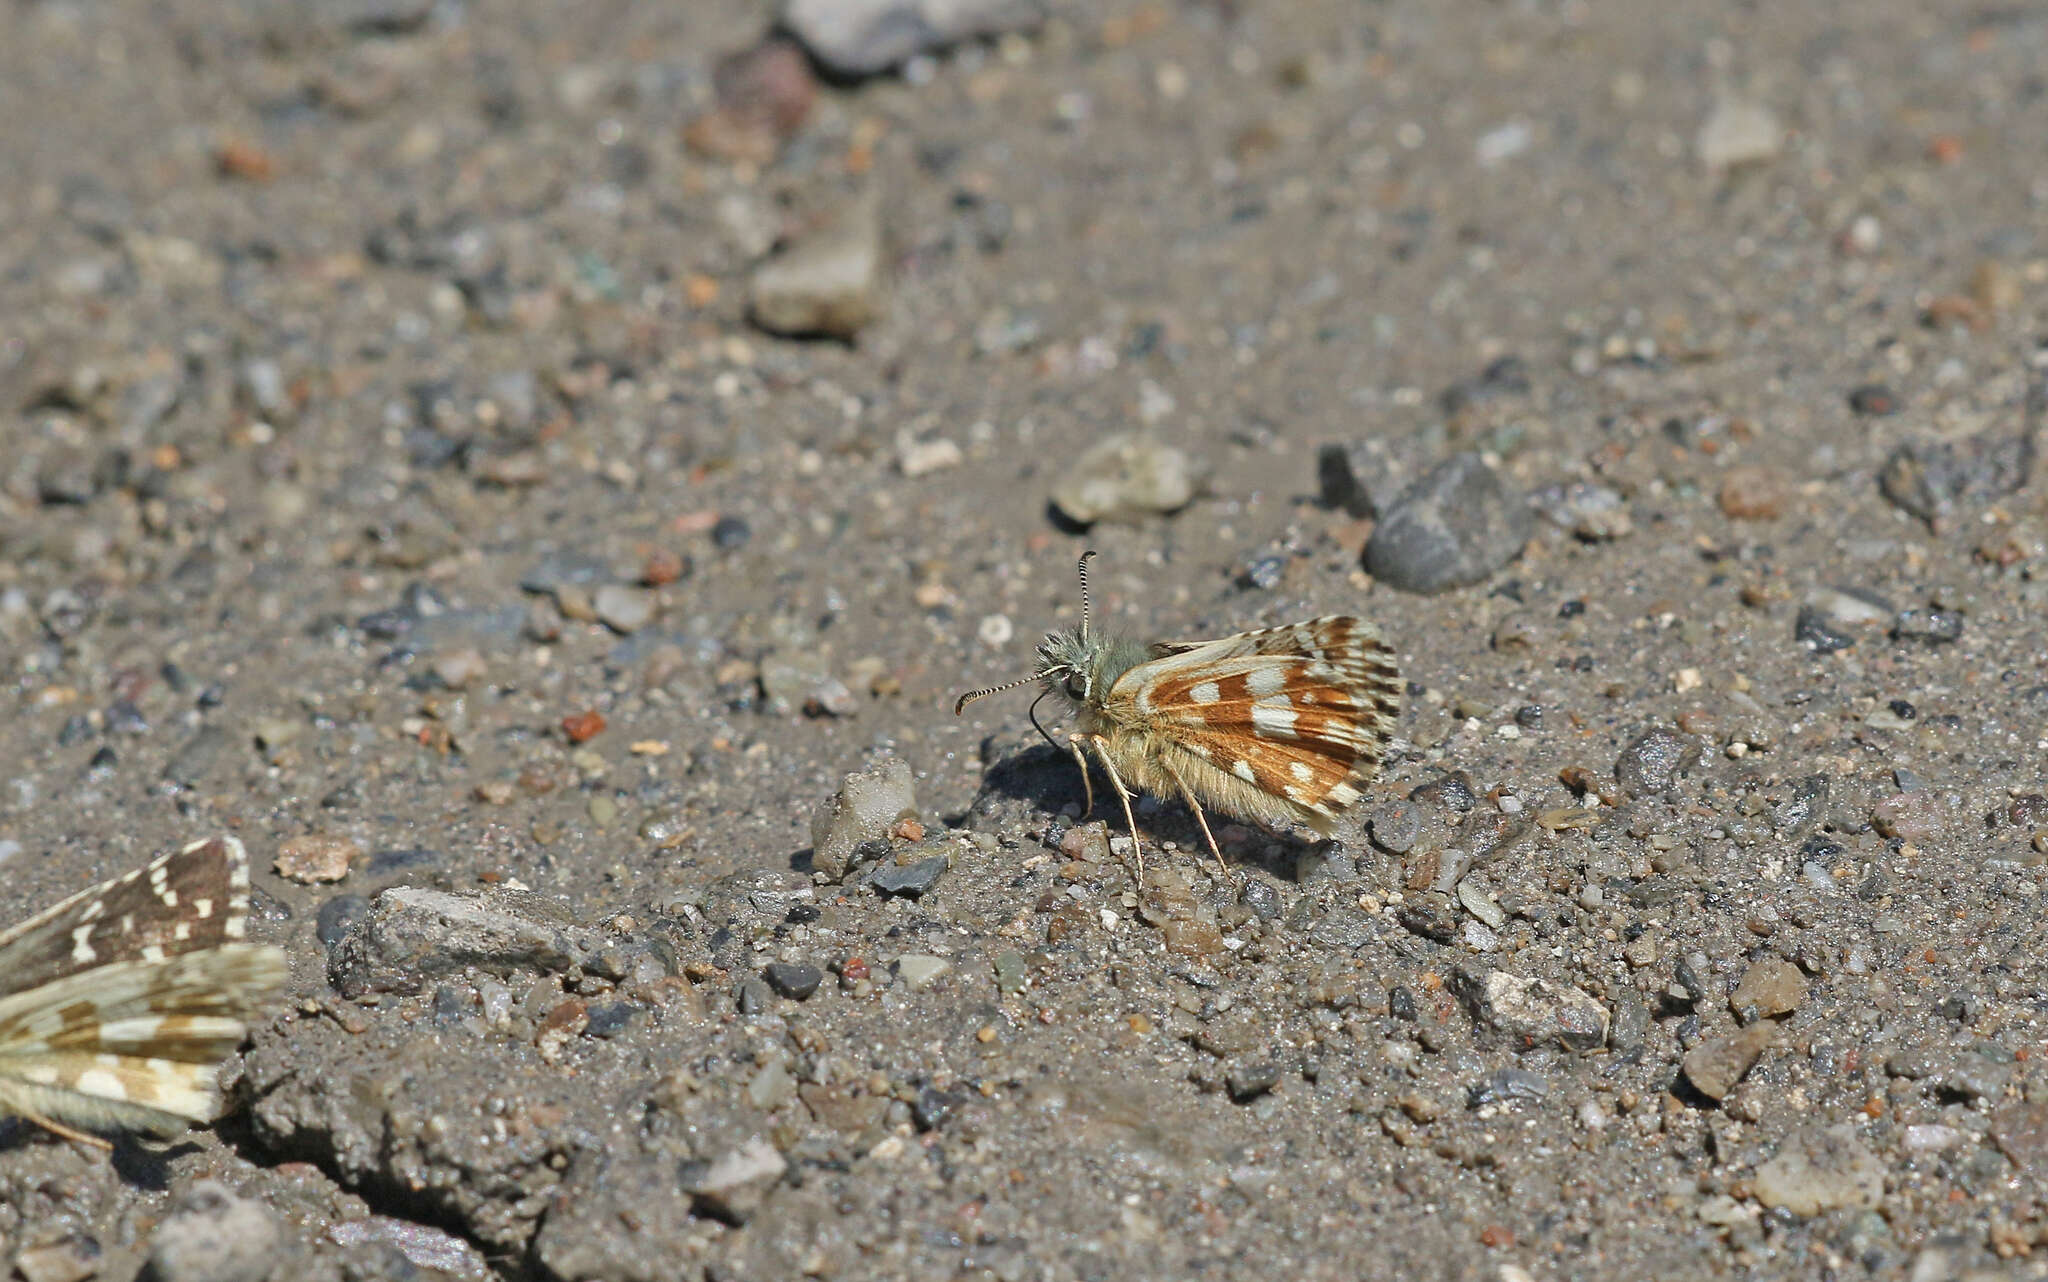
[1454, 527]
[1510, 1086]
[196, 756]
[1593, 513]
[1396, 826]
[864, 37]
[1261, 898]
[1716, 1065]
[794, 980]
[1738, 132]
[412, 936]
[1653, 761]
[1821, 1169]
[1126, 477]
[733, 1186]
[1532, 1011]
[2020, 1129]
[799, 679]
[1941, 481]
[910, 880]
[771, 1086]
[826, 283]
[1928, 627]
[565, 567]
[868, 804]
[919, 971]
[1247, 1081]
[421, 1245]
[1771, 986]
[213, 1236]
[622, 608]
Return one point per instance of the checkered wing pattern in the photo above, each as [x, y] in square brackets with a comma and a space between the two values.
[1301, 713]
[118, 1004]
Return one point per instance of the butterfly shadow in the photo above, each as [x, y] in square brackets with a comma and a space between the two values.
[142, 1166]
[1029, 781]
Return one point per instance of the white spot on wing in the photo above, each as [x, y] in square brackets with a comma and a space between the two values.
[1266, 680]
[1206, 692]
[1243, 770]
[1300, 770]
[1273, 722]
[100, 1082]
[81, 945]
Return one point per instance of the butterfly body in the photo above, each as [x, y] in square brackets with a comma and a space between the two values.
[118, 1004]
[1279, 725]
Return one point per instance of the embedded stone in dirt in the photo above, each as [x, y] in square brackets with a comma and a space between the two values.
[868, 804]
[1454, 527]
[1821, 1169]
[828, 282]
[1716, 1065]
[1126, 477]
[412, 934]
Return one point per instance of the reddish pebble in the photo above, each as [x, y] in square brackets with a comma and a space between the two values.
[1752, 494]
[1951, 310]
[1496, 1236]
[662, 566]
[238, 159]
[1944, 149]
[583, 726]
[855, 969]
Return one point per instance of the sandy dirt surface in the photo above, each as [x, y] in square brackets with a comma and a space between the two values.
[509, 464]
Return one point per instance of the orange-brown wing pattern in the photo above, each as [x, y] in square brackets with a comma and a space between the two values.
[1301, 712]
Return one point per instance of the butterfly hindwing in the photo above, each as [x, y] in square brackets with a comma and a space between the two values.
[118, 1004]
[1301, 713]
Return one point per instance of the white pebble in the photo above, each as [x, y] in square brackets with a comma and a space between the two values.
[929, 456]
[996, 630]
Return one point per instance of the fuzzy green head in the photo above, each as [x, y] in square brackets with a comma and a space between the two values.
[1084, 667]
[1075, 663]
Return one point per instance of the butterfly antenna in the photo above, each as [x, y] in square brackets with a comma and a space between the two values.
[972, 695]
[1034, 720]
[1083, 569]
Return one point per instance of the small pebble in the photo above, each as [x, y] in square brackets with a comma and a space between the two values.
[622, 608]
[1738, 132]
[1454, 527]
[731, 532]
[1126, 477]
[313, 858]
[919, 971]
[925, 457]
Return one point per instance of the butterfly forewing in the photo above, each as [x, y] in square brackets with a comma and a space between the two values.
[1301, 713]
[117, 1005]
[192, 898]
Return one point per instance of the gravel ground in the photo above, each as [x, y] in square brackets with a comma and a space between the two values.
[512, 464]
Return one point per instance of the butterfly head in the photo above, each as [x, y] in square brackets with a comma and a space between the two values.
[1074, 662]
[1071, 663]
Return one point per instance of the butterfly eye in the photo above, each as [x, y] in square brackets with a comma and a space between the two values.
[1077, 685]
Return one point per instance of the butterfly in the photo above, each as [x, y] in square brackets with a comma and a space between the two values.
[1281, 725]
[118, 1004]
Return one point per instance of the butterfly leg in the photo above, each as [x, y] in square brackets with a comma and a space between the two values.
[65, 1132]
[1123, 794]
[1087, 784]
[1188, 795]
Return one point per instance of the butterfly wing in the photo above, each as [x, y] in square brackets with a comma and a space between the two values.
[118, 1004]
[1299, 714]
